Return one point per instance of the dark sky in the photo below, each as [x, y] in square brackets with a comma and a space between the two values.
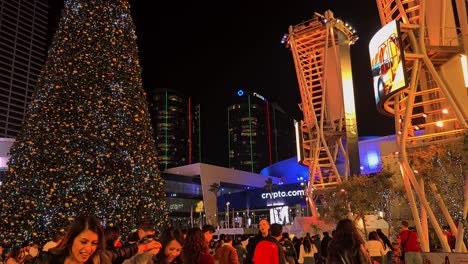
[210, 49]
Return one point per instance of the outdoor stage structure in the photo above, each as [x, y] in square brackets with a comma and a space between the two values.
[328, 133]
[418, 61]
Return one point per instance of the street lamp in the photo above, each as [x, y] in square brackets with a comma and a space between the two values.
[227, 213]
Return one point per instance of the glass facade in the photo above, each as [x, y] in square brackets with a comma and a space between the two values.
[174, 128]
[260, 134]
[248, 136]
[22, 53]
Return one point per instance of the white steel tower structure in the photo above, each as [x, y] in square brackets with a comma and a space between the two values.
[433, 37]
[320, 49]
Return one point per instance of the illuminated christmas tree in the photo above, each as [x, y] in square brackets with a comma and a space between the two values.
[86, 144]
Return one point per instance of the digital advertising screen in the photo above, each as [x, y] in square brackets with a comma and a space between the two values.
[387, 61]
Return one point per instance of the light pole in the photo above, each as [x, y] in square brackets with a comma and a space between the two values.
[227, 213]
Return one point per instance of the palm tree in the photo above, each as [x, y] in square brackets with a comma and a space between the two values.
[214, 188]
[269, 186]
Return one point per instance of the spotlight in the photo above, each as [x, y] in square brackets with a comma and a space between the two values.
[284, 39]
[353, 39]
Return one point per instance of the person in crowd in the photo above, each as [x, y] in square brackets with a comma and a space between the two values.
[227, 254]
[217, 246]
[241, 251]
[34, 250]
[172, 241]
[375, 247]
[146, 229]
[112, 237]
[347, 246]
[208, 232]
[317, 242]
[245, 241]
[57, 238]
[146, 235]
[297, 246]
[196, 249]
[307, 252]
[133, 238]
[289, 250]
[264, 231]
[324, 244]
[84, 243]
[14, 256]
[270, 250]
[384, 239]
[451, 239]
[409, 243]
[25, 254]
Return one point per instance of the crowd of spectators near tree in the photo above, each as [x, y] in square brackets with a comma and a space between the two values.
[87, 241]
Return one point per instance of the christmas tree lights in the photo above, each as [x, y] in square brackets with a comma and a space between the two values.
[86, 144]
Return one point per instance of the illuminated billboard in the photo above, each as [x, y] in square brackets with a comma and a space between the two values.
[387, 62]
[280, 215]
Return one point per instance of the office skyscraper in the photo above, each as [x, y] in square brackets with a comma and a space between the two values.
[175, 127]
[260, 133]
[23, 27]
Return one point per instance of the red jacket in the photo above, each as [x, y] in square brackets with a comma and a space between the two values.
[266, 252]
[413, 244]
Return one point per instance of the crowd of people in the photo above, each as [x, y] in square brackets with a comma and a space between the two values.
[87, 241]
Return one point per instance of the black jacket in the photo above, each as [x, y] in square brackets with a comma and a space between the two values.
[107, 256]
[324, 245]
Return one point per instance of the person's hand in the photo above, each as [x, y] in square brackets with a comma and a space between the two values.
[154, 247]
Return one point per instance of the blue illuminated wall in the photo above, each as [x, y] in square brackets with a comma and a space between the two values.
[370, 156]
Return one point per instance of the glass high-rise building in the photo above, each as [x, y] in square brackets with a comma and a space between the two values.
[260, 133]
[23, 45]
[175, 127]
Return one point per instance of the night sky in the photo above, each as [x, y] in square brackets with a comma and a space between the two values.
[210, 49]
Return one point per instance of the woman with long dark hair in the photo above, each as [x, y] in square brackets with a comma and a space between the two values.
[375, 247]
[347, 246]
[83, 243]
[196, 249]
[172, 241]
[307, 251]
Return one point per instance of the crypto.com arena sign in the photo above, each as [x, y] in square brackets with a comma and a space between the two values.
[278, 194]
